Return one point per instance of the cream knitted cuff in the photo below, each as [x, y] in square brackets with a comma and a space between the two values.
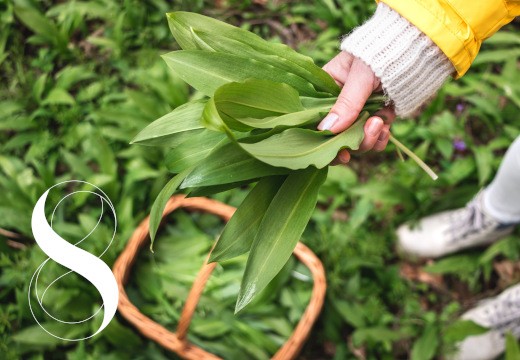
[410, 66]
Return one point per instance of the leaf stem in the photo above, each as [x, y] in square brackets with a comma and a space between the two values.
[414, 157]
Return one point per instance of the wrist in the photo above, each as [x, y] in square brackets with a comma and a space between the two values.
[410, 66]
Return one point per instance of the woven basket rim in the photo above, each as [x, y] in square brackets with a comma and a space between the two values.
[177, 341]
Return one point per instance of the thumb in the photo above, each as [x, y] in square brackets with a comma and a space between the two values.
[360, 84]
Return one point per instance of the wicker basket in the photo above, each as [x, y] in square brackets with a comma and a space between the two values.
[176, 341]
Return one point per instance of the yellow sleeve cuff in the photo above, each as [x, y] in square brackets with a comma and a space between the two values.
[457, 27]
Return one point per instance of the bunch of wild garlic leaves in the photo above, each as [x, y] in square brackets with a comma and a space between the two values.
[257, 124]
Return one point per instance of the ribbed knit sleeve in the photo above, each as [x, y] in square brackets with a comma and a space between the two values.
[411, 67]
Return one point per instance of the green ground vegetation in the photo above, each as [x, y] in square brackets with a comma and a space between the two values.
[81, 78]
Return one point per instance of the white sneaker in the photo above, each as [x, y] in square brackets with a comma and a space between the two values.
[500, 314]
[450, 231]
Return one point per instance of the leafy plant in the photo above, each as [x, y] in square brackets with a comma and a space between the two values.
[266, 98]
[108, 63]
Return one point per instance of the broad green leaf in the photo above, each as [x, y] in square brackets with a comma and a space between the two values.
[299, 148]
[227, 164]
[71, 75]
[194, 31]
[35, 336]
[59, 96]
[257, 98]
[454, 264]
[280, 230]
[512, 347]
[206, 71]
[160, 202]
[375, 102]
[192, 151]
[484, 158]
[313, 74]
[214, 120]
[240, 231]
[215, 189]
[461, 329]
[262, 104]
[312, 102]
[39, 87]
[201, 44]
[294, 119]
[175, 127]
[40, 24]
[426, 346]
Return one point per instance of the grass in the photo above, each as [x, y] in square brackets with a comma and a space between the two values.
[82, 78]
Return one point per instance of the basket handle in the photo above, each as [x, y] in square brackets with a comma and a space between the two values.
[225, 212]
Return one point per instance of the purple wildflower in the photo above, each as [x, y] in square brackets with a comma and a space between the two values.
[459, 145]
[460, 107]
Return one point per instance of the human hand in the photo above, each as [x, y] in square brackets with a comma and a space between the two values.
[362, 82]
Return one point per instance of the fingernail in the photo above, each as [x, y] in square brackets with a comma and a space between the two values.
[344, 157]
[375, 127]
[328, 122]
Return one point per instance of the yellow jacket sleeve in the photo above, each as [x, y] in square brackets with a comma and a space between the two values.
[458, 27]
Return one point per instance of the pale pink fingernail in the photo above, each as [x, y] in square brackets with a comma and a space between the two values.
[328, 122]
[375, 126]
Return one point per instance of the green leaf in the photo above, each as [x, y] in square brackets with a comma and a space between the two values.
[206, 71]
[426, 346]
[299, 148]
[351, 312]
[379, 334]
[194, 31]
[484, 159]
[39, 87]
[257, 98]
[40, 24]
[512, 348]
[312, 73]
[214, 120]
[311, 102]
[227, 164]
[454, 264]
[173, 128]
[280, 230]
[461, 329]
[262, 104]
[160, 203]
[240, 231]
[191, 151]
[299, 118]
[215, 189]
[59, 96]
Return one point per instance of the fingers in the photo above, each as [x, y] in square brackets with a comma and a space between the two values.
[382, 141]
[339, 67]
[360, 83]
[373, 128]
[377, 134]
[343, 157]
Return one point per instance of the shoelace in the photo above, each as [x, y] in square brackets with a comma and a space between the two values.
[467, 221]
